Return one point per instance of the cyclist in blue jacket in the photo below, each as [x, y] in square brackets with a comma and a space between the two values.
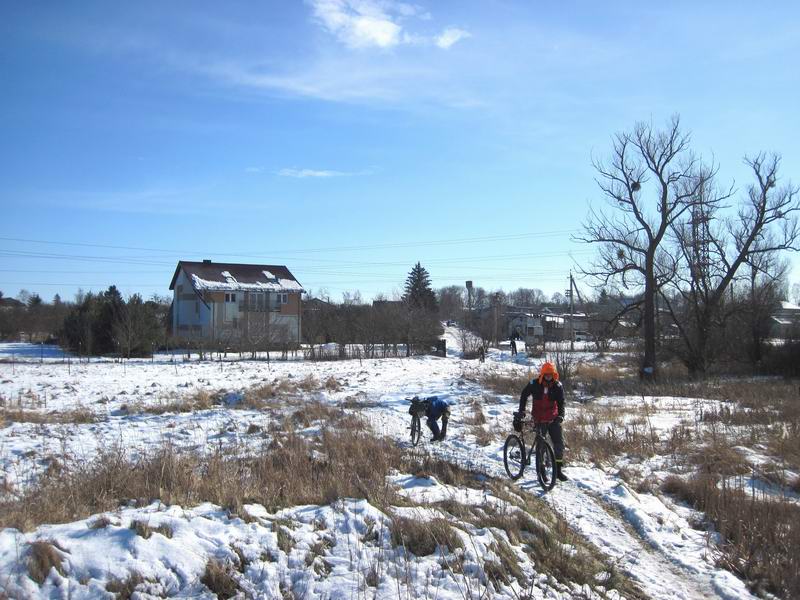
[435, 409]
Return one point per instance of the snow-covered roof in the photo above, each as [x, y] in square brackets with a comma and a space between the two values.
[786, 305]
[230, 277]
[231, 285]
[780, 321]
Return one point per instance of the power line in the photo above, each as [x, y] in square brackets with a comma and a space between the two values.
[509, 237]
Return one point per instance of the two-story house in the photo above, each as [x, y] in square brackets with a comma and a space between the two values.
[253, 306]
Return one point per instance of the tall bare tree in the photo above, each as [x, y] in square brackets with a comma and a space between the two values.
[710, 248]
[649, 181]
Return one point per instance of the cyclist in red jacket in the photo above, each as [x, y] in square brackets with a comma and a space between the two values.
[547, 407]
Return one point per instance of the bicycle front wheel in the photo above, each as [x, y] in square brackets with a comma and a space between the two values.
[545, 465]
[416, 430]
[514, 456]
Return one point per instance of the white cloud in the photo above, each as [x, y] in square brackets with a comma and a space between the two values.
[378, 23]
[254, 170]
[450, 36]
[303, 173]
[360, 23]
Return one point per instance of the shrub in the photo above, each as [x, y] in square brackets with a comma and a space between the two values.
[422, 538]
[124, 588]
[218, 577]
[43, 557]
[761, 534]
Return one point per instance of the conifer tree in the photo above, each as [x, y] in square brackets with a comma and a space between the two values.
[418, 292]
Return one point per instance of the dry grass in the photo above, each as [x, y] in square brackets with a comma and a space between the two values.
[507, 569]
[123, 589]
[219, 578]
[483, 435]
[475, 414]
[761, 534]
[344, 461]
[501, 383]
[145, 530]
[423, 538]
[75, 416]
[44, 556]
[100, 522]
[200, 400]
[599, 433]
[551, 544]
[284, 539]
[332, 384]
[274, 394]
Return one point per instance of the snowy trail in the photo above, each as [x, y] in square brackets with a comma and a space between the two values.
[651, 542]
[648, 538]
[654, 571]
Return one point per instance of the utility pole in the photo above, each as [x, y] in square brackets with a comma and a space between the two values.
[468, 324]
[571, 311]
[496, 311]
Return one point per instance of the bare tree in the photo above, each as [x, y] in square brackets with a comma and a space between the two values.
[451, 301]
[527, 297]
[710, 249]
[649, 182]
[795, 297]
[765, 288]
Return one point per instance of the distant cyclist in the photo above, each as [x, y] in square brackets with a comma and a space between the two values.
[435, 409]
[547, 407]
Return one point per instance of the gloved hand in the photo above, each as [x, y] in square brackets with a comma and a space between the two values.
[558, 419]
[517, 423]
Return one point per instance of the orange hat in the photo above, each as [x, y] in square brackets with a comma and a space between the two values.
[548, 369]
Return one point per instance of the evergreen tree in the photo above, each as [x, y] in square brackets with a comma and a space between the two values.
[418, 292]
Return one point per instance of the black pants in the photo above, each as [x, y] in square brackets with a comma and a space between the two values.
[434, 426]
[554, 429]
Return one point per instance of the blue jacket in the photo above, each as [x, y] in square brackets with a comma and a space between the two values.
[436, 407]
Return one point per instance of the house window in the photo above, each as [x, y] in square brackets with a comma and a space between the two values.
[283, 298]
[230, 297]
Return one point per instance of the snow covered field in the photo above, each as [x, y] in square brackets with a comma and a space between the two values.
[649, 538]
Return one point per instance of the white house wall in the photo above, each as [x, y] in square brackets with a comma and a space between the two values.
[189, 311]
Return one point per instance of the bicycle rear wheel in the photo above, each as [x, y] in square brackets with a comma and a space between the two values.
[514, 456]
[416, 430]
[545, 465]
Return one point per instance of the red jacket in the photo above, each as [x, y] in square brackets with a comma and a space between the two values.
[548, 400]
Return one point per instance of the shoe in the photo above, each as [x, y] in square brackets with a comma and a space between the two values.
[560, 475]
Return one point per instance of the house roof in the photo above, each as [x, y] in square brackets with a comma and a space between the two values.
[780, 321]
[232, 277]
[10, 303]
[789, 305]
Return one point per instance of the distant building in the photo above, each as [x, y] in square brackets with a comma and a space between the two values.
[526, 325]
[10, 303]
[253, 306]
[786, 321]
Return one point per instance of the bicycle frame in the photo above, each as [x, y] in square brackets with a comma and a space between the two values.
[541, 449]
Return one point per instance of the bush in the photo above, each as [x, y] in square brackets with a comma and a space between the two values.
[761, 534]
[44, 556]
[422, 538]
[218, 577]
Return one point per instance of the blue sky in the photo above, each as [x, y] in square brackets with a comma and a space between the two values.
[349, 139]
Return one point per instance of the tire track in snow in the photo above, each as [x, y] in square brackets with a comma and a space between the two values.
[656, 574]
[599, 521]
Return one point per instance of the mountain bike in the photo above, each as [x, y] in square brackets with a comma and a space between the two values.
[417, 411]
[516, 456]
